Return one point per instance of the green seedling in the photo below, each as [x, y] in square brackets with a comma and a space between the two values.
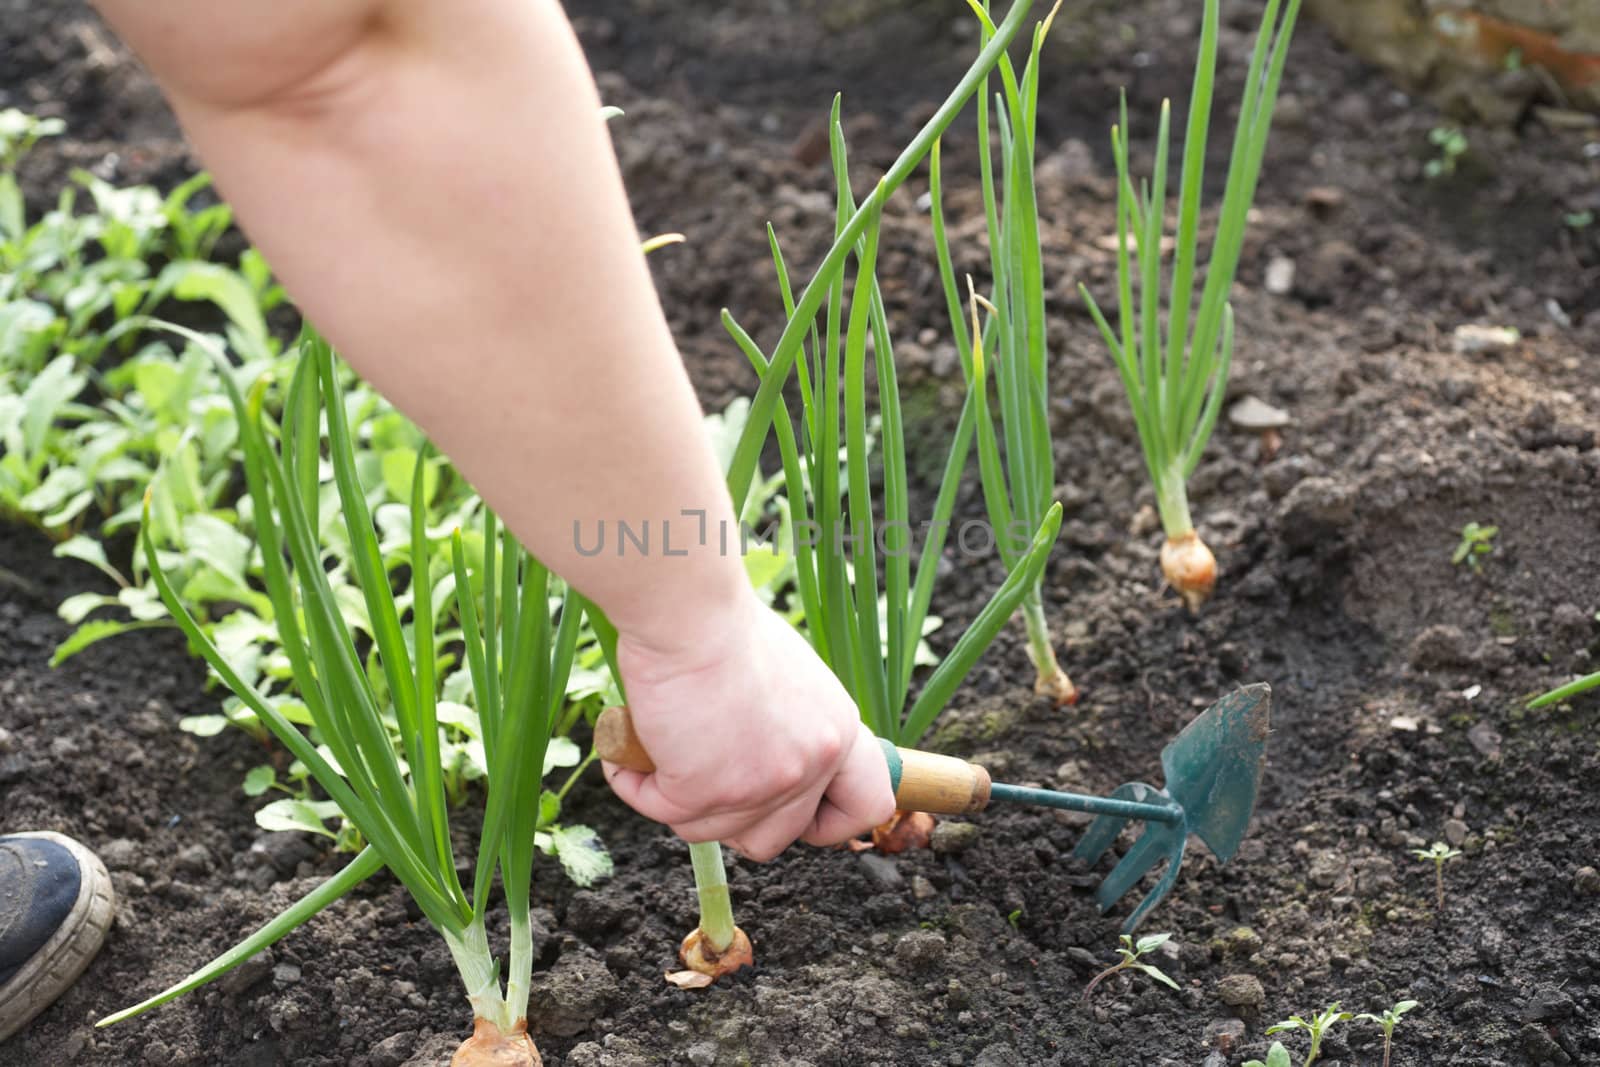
[1389, 1020]
[865, 608]
[1567, 692]
[809, 302]
[1317, 1026]
[1438, 854]
[1579, 220]
[1449, 144]
[1277, 1056]
[1016, 462]
[19, 131]
[826, 285]
[1477, 541]
[1131, 952]
[1176, 379]
[520, 656]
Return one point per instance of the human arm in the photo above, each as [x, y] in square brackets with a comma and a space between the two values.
[436, 189]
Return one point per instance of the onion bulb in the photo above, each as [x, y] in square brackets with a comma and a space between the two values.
[904, 830]
[698, 954]
[1190, 568]
[1056, 685]
[489, 1046]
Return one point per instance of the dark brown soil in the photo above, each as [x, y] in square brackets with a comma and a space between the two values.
[1399, 679]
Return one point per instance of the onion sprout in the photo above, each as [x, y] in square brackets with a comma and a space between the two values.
[1175, 384]
[716, 946]
[519, 659]
[1018, 483]
[844, 551]
[1567, 692]
[764, 405]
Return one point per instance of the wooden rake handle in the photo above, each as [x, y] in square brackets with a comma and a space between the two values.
[922, 781]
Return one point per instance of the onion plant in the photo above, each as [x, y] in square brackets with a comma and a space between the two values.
[810, 299]
[717, 930]
[1176, 379]
[1019, 479]
[519, 657]
[716, 946]
[845, 557]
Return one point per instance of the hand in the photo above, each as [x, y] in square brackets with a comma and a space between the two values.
[755, 742]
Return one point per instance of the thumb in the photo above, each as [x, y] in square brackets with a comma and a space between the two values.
[643, 794]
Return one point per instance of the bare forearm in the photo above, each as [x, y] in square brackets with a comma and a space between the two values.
[443, 202]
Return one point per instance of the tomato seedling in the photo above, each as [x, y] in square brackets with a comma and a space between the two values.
[1317, 1026]
[1438, 854]
[1131, 952]
[1389, 1019]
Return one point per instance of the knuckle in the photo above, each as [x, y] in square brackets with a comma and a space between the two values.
[788, 776]
[830, 746]
[724, 796]
[762, 852]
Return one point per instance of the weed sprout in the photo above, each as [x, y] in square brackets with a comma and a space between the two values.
[1477, 540]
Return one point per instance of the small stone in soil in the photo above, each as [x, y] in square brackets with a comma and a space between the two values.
[1440, 645]
[1541, 1047]
[1485, 739]
[1586, 882]
[1084, 958]
[247, 974]
[1280, 275]
[1455, 832]
[954, 838]
[1314, 507]
[1548, 1004]
[392, 1050]
[997, 1056]
[1240, 943]
[591, 914]
[571, 995]
[1572, 625]
[1325, 870]
[883, 908]
[1473, 339]
[921, 950]
[1242, 992]
[1223, 1034]
[883, 871]
[119, 854]
[194, 859]
[286, 973]
[1324, 200]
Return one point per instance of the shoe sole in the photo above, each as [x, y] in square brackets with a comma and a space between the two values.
[58, 963]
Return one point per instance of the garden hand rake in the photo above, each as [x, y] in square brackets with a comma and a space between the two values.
[1212, 774]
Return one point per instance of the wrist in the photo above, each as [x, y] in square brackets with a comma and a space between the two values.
[680, 631]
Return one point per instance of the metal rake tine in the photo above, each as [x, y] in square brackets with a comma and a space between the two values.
[1102, 833]
[1099, 837]
[1145, 854]
[1169, 878]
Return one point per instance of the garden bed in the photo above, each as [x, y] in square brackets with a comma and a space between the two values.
[1398, 677]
